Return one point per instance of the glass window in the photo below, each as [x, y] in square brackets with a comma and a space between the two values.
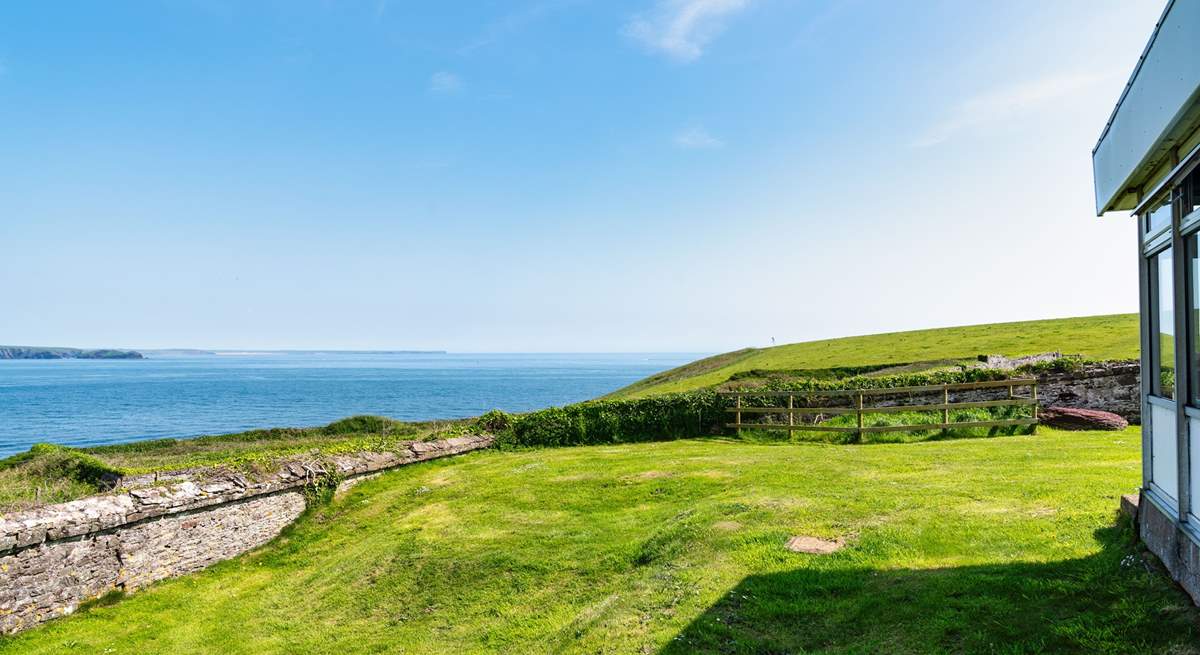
[1193, 280]
[1159, 215]
[1163, 333]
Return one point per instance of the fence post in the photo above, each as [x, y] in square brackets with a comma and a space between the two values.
[946, 406]
[737, 416]
[1035, 408]
[859, 434]
[791, 416]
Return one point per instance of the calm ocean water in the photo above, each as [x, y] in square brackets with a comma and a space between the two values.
[93, 402]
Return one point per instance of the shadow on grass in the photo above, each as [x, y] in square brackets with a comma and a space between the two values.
[1114, 601]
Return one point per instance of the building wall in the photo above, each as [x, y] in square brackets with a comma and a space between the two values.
[1178, 550]
[54, 558]
[1156, 115]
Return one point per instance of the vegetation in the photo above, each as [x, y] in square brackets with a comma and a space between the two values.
[50, 474]
[673, 416]
[1094, 337]
[987, 545]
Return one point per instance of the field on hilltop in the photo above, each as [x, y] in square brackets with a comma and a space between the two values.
[1094, 337]
[983, 545]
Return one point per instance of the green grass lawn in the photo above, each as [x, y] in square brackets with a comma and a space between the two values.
[1006, 545]
[1095, 337]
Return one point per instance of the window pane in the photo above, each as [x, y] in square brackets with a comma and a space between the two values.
[1159, 216]
[1193, 259]
[1165, 380]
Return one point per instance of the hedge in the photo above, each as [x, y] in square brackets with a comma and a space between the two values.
[655, 418]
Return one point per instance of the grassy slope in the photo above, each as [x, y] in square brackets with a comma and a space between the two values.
[1099, 337]
[55, 474]
[983, 545]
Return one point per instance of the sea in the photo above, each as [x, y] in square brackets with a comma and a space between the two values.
[80, 402]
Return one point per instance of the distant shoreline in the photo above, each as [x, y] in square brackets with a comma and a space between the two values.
[37, 352]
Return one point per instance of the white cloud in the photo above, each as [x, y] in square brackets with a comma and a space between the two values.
[445, 82]
[1008, 102]
[681, 29]
[697, 138]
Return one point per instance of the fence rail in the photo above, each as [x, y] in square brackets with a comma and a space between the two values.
[859, 409]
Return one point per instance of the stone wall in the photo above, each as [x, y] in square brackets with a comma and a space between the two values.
[53, 558]
[1110, 386]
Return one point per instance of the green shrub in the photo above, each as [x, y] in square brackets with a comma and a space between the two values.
[493, 422]
[54, 461]
[363, 424]
[655, 418]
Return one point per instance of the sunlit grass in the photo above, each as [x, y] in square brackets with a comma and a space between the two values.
[1095, 337]
[961, 546]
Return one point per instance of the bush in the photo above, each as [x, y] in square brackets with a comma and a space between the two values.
[656, 418]
[363, 424]
[493, 422]
[55, 461]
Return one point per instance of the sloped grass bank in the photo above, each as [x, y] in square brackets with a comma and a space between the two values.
[1094, 337]
[988, 545]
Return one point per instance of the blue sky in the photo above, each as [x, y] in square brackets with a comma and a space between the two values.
[642, 175]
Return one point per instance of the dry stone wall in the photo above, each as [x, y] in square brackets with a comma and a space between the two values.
[54, 558]
[1108, 386]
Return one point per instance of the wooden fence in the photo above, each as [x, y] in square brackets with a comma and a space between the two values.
[859, 407]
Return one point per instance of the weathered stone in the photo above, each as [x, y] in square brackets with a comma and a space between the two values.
[1074, 418]
[53, 558]
[1009, 363]
[1129, 506]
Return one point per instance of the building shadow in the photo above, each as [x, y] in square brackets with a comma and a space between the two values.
[1116, 601]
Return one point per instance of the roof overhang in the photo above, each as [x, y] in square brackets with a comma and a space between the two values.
[1157, 119]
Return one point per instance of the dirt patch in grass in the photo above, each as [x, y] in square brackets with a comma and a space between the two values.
[814, 545]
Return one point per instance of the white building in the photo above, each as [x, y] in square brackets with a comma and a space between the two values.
[1147, 162]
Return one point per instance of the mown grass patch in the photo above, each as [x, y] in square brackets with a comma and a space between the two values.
[978, 545]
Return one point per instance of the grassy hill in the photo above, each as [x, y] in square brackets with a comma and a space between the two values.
[983, 545]
[1097, 337]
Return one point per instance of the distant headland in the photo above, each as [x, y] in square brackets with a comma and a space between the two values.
[33, 352]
